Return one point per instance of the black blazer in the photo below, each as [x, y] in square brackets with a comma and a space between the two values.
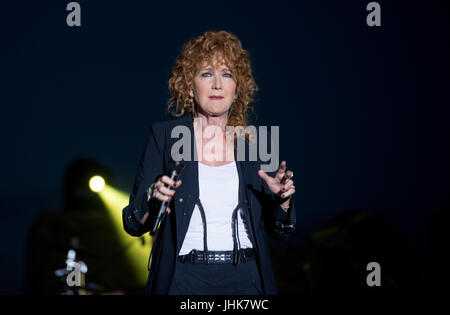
[266, 216]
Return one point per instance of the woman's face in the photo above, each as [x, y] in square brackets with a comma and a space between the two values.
[214, 89]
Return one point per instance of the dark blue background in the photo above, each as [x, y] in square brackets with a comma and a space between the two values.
[363, 111]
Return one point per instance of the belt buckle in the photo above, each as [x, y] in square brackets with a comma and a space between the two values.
[219, 257]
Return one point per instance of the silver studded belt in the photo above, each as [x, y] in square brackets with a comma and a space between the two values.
[216, 257]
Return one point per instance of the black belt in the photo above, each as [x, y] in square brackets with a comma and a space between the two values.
[216, 257]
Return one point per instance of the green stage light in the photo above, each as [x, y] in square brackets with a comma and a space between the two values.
[96, 183]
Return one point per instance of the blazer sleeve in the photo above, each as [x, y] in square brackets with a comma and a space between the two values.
[149, 169]
[284, 221]
[278, 223]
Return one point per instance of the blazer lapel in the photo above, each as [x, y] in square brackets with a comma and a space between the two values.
[247, 179]
[189, 189]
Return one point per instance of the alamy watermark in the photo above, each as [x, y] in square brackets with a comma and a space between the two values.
[374, 277]
[74, 17]
[74, 277]
[213, 151]
[374, 17]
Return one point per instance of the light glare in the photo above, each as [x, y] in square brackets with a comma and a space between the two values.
[96, 183]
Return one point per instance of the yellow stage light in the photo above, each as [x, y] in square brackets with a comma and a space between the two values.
[96, 183]
[137, 250]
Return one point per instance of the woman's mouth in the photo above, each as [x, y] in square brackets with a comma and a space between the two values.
[216, 97]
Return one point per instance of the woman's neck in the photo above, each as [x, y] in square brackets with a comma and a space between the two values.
[219, 121]
[213, 139]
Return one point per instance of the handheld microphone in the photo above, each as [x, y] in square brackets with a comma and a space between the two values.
[175, 168]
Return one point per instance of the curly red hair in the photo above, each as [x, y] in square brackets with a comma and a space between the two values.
[211, 46]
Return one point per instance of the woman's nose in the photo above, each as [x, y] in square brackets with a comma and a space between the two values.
[217, 82]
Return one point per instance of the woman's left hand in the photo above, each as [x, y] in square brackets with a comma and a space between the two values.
[281, 185]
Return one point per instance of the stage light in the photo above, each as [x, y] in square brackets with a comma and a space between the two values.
[96, 183]
[136, 249]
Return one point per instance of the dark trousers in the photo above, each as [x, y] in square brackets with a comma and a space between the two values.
[216, 279]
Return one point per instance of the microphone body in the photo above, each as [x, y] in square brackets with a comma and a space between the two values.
[177, 167]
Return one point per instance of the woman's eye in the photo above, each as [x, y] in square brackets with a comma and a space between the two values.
[207, 74]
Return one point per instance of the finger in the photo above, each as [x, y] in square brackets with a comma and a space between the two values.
[264, 176]
[287, 176]
[177, 183]
[166, 191]
[290, 192]
[281, 170]
[166, 180]
[162, 197]
[158, 186]
[168, 210]
[289, 184]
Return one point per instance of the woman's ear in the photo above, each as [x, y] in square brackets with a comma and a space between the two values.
[191, 93]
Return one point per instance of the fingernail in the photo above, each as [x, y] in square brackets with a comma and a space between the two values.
[283, 195]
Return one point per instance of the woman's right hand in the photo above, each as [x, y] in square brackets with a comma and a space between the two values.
[159, 190]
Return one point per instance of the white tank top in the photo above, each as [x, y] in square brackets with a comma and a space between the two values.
[219, 195]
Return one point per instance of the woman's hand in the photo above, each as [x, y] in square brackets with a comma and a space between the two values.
[281, 185]
[158, 189]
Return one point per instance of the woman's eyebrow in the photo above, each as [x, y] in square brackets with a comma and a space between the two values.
[210, 68]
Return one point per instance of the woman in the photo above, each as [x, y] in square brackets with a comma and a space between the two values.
[212, 240]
